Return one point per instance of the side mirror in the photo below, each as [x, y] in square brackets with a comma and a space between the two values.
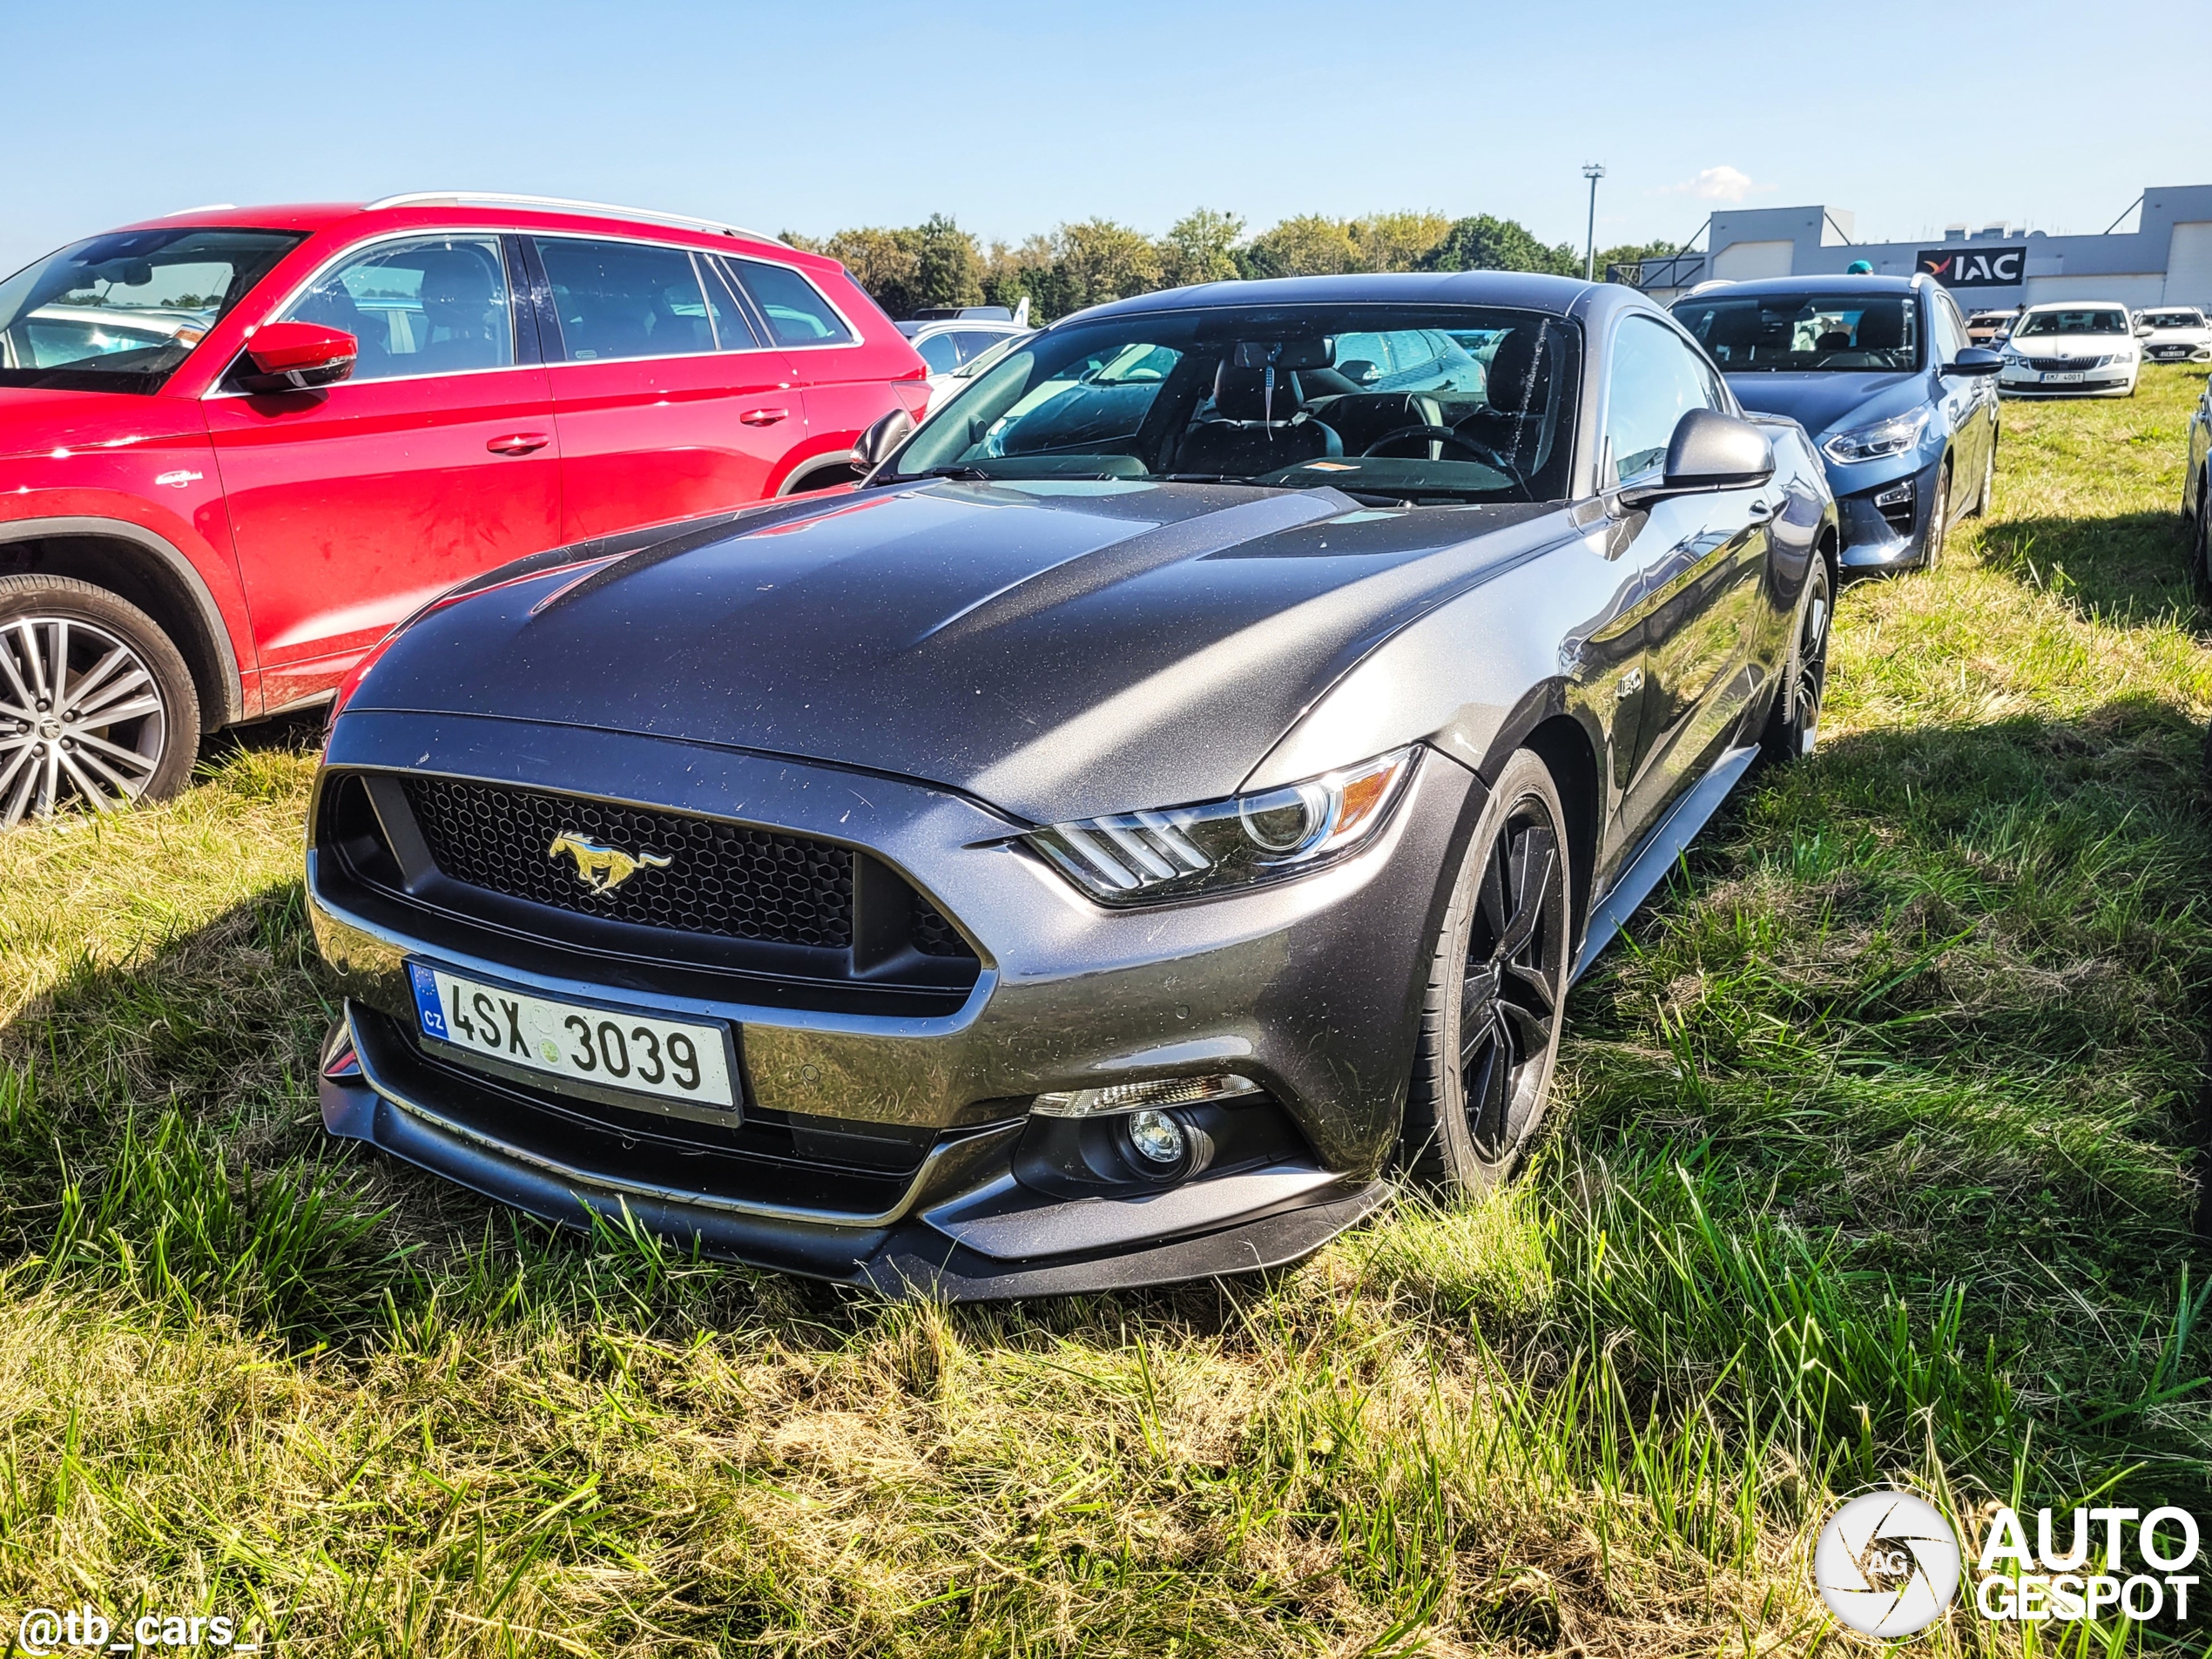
[1974, 360]
[1708, 451]
[2143, 331]
[874, 446]
[298, 356]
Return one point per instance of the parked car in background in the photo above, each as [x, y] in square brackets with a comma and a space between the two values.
[238, 445]
[951, 337]
[1877, 368]
[2197, 493]
[1176, 791]
[1990, 328]
[2174, 334]
[2071, 348]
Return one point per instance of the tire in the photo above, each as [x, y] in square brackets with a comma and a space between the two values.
[137, 736]
[1938, 529]
[1793, 725]
[2201, 544]
[1988, 490]
[1491, 1016]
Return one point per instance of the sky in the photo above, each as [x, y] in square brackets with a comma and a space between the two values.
[1012, 119]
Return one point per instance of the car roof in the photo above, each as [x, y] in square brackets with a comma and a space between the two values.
[1513, 290]
[432, 209]
[2076, 304]
[1862, 284]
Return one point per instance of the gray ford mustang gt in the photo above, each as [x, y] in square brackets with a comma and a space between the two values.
[1174, 791]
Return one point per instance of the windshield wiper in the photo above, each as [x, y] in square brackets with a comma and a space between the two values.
[965, 475]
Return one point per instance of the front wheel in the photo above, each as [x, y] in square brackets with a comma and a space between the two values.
[2200, 551]
[97, 708]
[1988, 489]
[1490, 1021]
[1938, 520]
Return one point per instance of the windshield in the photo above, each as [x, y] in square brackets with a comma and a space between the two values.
[1816, 332]
[1427, 405]
[2072, 322]
[2174, 320]
[119, 313]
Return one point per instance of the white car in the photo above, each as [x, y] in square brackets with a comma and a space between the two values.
[2174, 334]
[2071, 348]
[951, 337]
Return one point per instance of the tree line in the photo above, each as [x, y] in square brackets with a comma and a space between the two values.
[936, 263]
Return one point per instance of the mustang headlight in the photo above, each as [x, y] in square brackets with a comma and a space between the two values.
[1891, 437]
[1143, 858]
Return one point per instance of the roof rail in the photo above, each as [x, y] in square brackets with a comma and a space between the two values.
[500, 198]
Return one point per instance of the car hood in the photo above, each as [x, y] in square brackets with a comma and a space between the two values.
[2177, 336]
[37, 421]
[2072, 345]
[1056, 650]
[1829, 401]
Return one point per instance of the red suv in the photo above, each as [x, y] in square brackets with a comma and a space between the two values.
[236, 446]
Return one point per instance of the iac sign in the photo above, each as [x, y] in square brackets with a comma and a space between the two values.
[1959, 267]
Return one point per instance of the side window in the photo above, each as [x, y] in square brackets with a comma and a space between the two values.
[618, 300]
[732, 331]
[939, 351]
[1950, 334]
[1655, 380]
[430, 305]
[797, 314]
[974, 342]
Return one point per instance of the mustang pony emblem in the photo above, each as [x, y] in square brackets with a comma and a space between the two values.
[599, 867]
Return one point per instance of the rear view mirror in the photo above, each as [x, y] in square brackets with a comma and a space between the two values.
[1286, 354]
[1974, 360]
[874, 446]
[298, 357]
[1708, 451]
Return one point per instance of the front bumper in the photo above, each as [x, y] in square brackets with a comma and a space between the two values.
[1883, 534]
[1310, 989]
[2112, 380]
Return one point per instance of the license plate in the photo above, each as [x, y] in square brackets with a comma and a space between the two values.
[613, 1049]
[2062, 379]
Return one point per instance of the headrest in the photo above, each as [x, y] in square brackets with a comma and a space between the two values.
[455, 276]
[1241, 394]
[1516, 368]
[1881, 328]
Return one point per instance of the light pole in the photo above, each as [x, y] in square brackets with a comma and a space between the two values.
[1593, 171]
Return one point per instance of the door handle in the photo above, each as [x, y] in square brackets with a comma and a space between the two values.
[1762, 508]
[518, 444]
[762, 417]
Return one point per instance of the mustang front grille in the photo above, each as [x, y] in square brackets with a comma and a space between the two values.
[718, 878]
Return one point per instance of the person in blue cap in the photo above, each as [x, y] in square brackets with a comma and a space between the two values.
[1858, 267]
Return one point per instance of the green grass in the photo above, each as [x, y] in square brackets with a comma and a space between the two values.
[1875, 1156]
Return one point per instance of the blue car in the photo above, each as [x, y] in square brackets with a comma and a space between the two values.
[1878, 370]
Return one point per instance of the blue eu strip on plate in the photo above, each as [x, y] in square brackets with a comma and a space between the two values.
[426, 1001]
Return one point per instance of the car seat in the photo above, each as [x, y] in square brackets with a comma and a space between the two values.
[459, 300]
[1520, 377]
[1252, 432]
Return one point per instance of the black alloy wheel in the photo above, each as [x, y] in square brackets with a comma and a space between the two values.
[1490, 1021]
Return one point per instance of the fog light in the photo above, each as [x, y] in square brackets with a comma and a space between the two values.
[1157, 1138]
[1159, 1091]
[1897, 497]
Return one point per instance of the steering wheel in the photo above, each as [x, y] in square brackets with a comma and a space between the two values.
[1481, 452]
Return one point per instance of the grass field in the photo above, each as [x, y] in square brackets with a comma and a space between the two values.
[1874, 1155]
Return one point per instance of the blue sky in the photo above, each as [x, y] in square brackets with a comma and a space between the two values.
[1013, 117]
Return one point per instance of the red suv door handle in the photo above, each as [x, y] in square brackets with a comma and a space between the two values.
[763, 417]
[518, 444]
